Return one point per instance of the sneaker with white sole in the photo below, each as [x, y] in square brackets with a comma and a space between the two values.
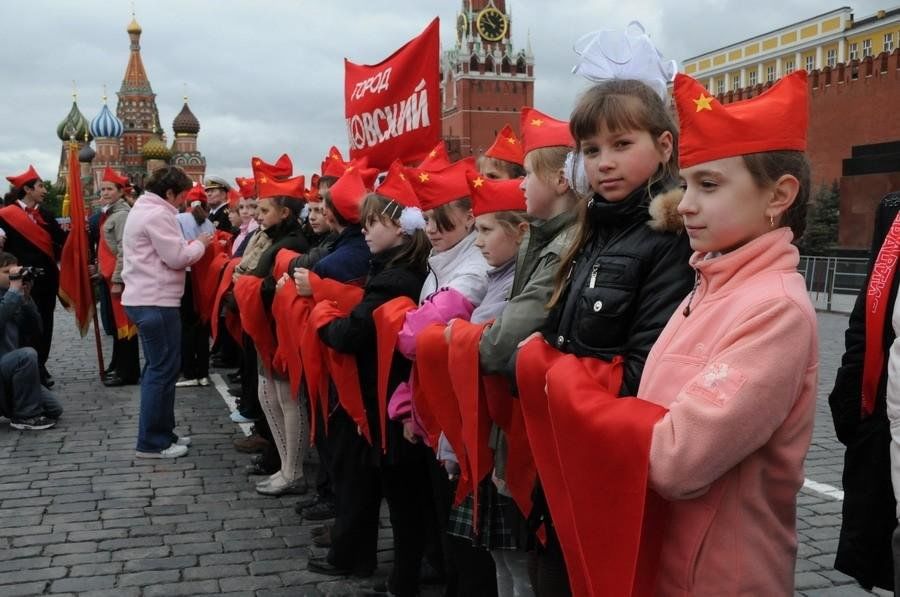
[173, 451]
[184, 440]
[237, 417]
[203, 381]
[187, 383]
[38, 423]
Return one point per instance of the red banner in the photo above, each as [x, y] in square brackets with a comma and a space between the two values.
[393, 108]
[74, 282]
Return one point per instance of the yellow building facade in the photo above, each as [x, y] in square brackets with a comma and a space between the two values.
[824, 40]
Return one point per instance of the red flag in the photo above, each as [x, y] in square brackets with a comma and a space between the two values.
[393, 108]
[74, 282]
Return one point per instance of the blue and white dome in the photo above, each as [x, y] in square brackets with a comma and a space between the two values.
[105, 124]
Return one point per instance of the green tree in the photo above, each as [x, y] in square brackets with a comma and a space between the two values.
[822, 220]
[54, 199]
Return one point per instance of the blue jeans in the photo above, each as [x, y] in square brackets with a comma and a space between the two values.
[20, 387]
[160, 332]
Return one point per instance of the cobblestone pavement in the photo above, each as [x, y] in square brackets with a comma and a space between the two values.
[80, 516]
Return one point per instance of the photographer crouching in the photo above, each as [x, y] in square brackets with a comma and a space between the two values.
[23, 399]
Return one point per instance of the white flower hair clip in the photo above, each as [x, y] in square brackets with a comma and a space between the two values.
[625, 54]
[575, 174]
[410, 220]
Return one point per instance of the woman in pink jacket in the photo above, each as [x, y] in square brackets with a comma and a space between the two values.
[156, 256]
[736, 365]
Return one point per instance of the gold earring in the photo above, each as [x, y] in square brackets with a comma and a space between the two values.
[771, 221]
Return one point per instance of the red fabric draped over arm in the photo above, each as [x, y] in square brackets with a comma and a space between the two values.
[389, 319]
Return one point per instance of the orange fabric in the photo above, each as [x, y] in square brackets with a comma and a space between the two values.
[16, 218]
[106, 263]
[287, 350]
[224, 284]
[507, 147]
[610, 538]
[619, 530]
[506, 412]
[777, 119]
[464, 361]
[342, 368]
[436, 397]
[346, 296]
[389, 319]
[254, 320]
[205, 275]
[283, 262]
[489, 196]
[314, 370]
[436, 159]
[75, 288]
[439, 187]
[540, 130]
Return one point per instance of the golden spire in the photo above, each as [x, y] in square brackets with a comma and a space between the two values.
[133, 26]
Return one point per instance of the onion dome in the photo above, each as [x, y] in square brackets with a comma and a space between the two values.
[155, 149]
[86, 155]
[133, 26]
[186, 123]
[73, 125]
[105, 124]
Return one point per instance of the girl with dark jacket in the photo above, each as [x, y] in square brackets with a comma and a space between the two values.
[625, 272]
[398, 268]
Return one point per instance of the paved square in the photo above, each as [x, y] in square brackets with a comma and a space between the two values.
[80, 515]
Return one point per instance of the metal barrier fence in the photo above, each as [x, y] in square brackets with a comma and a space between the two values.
[833, 282]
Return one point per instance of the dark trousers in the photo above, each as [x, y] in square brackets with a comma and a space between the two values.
[45, 300]
[407, 487]
[194, 338]
[547, 568]
[21, 392]
[357, 488]
[126, 360]
[476, 573]
[324, 487]
[160, 332]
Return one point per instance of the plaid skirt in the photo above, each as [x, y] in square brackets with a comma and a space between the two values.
[495, 513]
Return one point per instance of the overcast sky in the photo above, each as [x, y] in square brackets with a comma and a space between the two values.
[266, 76]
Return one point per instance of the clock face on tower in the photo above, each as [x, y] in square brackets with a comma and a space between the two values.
[492, 24]
[462, 24]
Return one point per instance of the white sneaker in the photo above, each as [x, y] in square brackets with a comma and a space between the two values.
[187, 383]
[203, 381]
[184, 440]
[237, 417]
[173, 451]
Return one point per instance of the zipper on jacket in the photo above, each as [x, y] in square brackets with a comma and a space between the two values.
[687, 308]
[594, 269]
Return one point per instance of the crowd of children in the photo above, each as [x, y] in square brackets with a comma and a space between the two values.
[583, 364]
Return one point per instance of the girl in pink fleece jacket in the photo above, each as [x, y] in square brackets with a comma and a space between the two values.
[736, 365]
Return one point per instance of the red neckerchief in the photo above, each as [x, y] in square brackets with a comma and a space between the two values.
[205, 276]
[877, 305]
[587, 440]
[35, 215]
[232, 320]
[37, 235]
[254, 320]
[389, 319]
[464, 360]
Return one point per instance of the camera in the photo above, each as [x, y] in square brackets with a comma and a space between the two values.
[28, 273]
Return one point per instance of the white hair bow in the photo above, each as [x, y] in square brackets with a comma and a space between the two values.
[625, 54]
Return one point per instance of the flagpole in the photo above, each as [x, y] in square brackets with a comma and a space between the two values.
[100, 368]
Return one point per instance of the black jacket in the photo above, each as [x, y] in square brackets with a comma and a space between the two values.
[286, 235]
[355, 334]
[869, 516]
[47, 285]
[626, 282]
[221, 221]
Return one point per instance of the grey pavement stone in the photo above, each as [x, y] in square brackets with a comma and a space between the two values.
[180, 589]
[23, 589]
[149, 578]
[83, 583]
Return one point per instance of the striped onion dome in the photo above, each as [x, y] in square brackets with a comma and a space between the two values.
[73, 125]
[105, 124]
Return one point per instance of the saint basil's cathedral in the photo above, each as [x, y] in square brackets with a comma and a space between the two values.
[132, 141]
